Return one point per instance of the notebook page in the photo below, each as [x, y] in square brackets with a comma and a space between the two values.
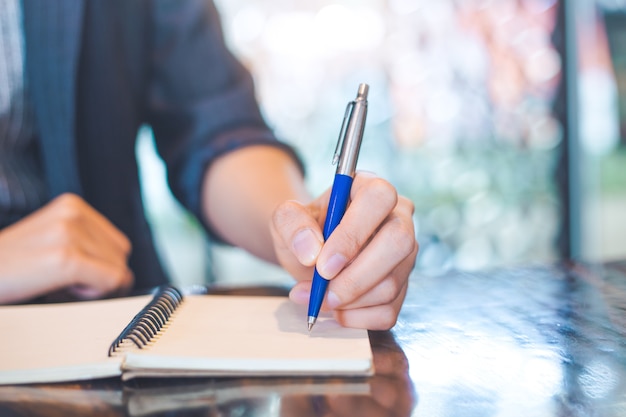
[61, 342]
[223, 335]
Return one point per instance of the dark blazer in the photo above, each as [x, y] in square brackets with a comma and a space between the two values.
[100, 69]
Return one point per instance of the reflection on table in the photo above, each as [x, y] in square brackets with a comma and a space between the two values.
[535, 341]
[547, 340]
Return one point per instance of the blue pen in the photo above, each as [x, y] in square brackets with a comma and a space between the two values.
[346, 155]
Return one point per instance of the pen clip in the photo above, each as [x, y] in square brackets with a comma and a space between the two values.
[342, 133]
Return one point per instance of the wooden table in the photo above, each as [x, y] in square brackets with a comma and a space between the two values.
[546, 340]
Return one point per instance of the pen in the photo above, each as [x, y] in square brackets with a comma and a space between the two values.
[346, 155]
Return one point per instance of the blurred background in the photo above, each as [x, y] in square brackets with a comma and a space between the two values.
[503, 121]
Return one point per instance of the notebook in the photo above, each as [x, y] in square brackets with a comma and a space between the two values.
[168, 335]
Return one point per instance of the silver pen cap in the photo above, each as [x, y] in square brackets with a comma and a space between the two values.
[351, 134]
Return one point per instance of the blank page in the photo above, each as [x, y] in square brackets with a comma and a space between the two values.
[254, 335]
[65, 341]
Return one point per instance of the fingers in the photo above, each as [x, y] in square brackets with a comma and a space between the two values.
[380, 316]
[376, 310]
[297, 238]
[99, 236]
[367, 258]
[66, 244]
[390, 254]
[372, 200]
[378, 274]
[102, 280]
[89, 277]
[93, 253]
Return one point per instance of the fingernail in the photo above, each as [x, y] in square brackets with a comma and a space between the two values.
[333, 266]
[306, 246]
[299, 295]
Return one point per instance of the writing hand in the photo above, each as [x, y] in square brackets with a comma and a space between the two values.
[64, 245]
[368, 258]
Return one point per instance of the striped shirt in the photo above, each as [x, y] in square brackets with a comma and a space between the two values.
[22, 187]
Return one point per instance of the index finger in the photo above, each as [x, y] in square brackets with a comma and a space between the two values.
[372, 199]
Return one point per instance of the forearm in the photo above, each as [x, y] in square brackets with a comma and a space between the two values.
[242, 189]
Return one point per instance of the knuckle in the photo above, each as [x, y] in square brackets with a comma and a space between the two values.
[67, 200]
[354, 285]
[347, 284]
[284, 212]
[68, 207]
[409, 204]
[403, 239]
[61, 232]
[65, 259]
[387, 319]
[384, 193]
[389, 291]
[351, 240]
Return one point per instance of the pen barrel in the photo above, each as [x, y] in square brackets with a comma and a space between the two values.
[339, 196]
[318, 291]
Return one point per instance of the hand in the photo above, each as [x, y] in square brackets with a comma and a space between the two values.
[64, 245]
[368, 257]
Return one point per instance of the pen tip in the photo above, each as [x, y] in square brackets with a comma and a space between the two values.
[310, 326]
[311, 322]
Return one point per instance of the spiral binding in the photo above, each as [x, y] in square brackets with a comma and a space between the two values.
[149, 321]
